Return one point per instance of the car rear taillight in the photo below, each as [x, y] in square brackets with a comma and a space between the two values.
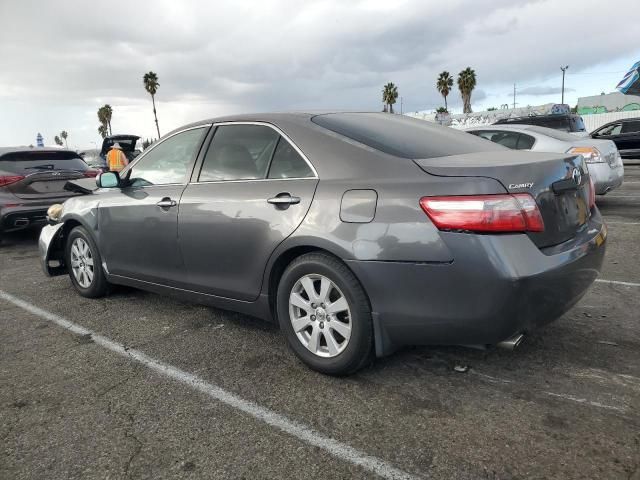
[592, 193]
[9, 179]
[484, 213]
[590, 154]
[91, 173]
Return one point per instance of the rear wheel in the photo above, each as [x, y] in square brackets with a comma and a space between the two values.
[325, 315]
[84, 264]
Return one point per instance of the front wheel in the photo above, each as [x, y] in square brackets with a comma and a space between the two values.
[325, 314]
[85, 265]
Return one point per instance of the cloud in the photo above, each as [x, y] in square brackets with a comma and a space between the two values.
[543, 90]
[215, 58]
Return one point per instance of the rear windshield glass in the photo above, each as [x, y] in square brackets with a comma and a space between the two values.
[19, 162]
[403, 136]
[559, 122]
[556, 134]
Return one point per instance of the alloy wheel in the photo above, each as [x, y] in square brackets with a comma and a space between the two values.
[320, 315]
[82, 262]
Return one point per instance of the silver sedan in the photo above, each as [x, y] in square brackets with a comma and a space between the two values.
[602, 156]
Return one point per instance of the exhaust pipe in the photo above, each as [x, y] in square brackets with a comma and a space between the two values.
[21, 222]
[511, 343]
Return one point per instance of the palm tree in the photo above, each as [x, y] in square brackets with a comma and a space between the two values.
[151, 85]
[444, 84]
[102, 130]
[389, 96]
[57, 140]
[466, 84]
[104, 117]
[108, 113]
[64, 135]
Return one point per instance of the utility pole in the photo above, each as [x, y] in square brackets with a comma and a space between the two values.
[564, 69]
[400, 105]
[514, 96]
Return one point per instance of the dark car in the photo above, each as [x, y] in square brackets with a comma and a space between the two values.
[358, 232]
[31, 180]
[128, 144]
[624, 133]
[567, 122]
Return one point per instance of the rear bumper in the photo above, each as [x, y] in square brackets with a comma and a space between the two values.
[606, 177]
[20, 214]
[497, 286]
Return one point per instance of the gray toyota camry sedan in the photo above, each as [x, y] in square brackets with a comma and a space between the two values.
[358, 232]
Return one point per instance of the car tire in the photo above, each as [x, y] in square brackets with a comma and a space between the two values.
[321, 344]
[85, 264]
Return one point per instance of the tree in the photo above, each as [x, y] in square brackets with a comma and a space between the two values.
[444, 85]
[389, 96]
[151, 85]
[104, 117]
[57, 140]
[64, 135]
[466, 84]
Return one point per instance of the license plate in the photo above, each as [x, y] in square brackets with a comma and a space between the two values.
[50, 186]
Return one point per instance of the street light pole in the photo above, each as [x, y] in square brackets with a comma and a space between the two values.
[564, 69]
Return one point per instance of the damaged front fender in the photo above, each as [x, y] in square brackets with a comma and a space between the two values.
[51, 250]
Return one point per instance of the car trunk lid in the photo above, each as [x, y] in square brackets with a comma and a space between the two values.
[558, 183]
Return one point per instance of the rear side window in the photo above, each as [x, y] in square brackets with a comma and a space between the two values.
[33, 161]
[525, 142]
[631, 127]
[557, 123]
[239, 152]
[403, 136]
[287, 163]
[578, 124]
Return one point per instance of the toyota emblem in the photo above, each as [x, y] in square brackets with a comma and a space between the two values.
[577, 176]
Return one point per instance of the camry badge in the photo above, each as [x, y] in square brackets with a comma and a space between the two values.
[520, 185]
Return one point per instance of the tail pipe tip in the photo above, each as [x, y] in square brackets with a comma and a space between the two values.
[511, 343]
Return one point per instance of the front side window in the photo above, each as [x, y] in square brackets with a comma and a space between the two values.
[169, 161]
[611, 129]
[287, 163]
[239, 152]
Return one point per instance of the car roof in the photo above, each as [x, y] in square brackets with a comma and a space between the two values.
[301, 118]
[546, 115]
[7, 150]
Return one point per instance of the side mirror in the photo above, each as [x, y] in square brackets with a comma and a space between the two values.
[108, 180]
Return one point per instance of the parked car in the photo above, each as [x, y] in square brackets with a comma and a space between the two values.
[602, 156]
[566, 122]
[358, 232]
[130, 145]
[624, 133]
[31, 180]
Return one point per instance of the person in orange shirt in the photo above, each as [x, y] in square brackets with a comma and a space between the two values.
[116, 159]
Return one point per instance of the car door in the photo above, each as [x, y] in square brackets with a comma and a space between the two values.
[629, 139]
[609, 132]
[138, 223]
[251, 190]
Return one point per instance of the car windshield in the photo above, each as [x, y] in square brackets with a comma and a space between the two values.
[402, 136]
[17, 162]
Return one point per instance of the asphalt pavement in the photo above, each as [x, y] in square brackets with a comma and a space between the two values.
[138, 385]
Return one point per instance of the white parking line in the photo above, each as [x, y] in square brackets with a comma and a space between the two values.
[622, 223]
[617, 282]
[301, 432]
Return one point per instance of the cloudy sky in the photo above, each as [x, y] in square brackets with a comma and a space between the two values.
[61, 60]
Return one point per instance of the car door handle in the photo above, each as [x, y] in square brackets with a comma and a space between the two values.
[166, 203]
[283, 199]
